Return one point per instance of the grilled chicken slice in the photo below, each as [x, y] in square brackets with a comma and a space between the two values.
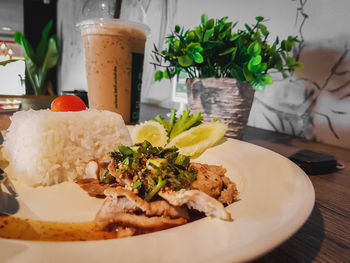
[140, 222]
[195, 199]
[229, 194]
[123, 208]
[208, 178]
[159, 207]
[211, 180]
[93, 187]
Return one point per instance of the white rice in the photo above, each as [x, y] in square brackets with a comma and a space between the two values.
[46, 148]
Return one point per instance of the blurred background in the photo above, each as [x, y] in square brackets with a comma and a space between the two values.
[313, 104]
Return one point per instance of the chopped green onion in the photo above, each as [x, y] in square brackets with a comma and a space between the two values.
[156, 189]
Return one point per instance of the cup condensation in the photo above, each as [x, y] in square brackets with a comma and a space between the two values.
[114, 52]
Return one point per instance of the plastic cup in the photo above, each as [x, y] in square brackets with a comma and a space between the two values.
[114, 52]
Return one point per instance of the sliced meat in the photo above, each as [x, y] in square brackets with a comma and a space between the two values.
[123, 180]
[197, 200]
[159, 207]
[93, 187]
[211, 180]
[208, 178]
[230, 193]
[124, 208]
[154, 223]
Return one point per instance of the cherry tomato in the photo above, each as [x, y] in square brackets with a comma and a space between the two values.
[67, 103]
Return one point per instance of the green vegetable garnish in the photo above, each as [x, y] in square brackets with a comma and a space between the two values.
[161, 183]
[107, 178]
[175, 126]
[151, 168]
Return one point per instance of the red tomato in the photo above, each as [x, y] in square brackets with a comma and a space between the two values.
[67, 103]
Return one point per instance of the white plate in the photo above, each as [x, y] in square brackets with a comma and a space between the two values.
[276, 198]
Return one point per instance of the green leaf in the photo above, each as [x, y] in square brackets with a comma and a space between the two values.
[51, 56]
[254, 49]
[190, 35]
[228, 51]
[208, 34]
[176, 45]
[185, 61]
[237, 72]
[267, 80]
[233, 55]
[21, 40]
[185, 121]
[263, 29]
[254, 63]
[194, 47]
[177, 28]
[204, 19]
[227, 26]
[198, 58]
[158, 75]
[259, 18]
[233, 37]
[263, 67]
[198, 32]
[257, 86]
[284, 45]
[221, 23]
[250, 30]
[43, 44]
[247, 74]
[222, 35]
[166, 74]
[210, 24]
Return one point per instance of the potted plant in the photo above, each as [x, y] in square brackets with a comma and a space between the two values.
[225, 68]
[38, 62]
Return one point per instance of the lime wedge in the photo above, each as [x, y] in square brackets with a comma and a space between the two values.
[196, 140]
[151, 131]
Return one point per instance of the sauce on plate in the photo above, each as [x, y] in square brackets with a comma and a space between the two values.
[26, 229]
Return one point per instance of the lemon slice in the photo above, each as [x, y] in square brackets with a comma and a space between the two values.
[196, 140]
[151, 131]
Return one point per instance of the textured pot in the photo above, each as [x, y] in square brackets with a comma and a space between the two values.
[223, 98]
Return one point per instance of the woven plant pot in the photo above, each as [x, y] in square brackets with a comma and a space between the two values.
[223, 98]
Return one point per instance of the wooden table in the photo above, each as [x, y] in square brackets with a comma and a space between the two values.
[325, 237]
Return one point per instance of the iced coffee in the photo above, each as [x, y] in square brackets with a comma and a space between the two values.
[114, 51]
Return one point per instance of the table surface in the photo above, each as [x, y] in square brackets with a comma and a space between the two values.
[325, 237]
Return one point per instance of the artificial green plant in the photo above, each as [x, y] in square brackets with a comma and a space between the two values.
[212, 49]
[38, 62]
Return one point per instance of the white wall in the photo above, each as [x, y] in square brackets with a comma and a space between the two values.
[283, 106]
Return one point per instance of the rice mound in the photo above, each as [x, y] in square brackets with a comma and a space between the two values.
[45, 148]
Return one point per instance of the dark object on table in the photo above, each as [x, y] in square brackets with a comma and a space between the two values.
[80, 93]
[314, 162]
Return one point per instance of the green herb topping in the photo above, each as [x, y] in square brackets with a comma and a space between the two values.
[151, 169]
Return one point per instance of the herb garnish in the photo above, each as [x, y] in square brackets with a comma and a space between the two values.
[177, 125]
[151, 168]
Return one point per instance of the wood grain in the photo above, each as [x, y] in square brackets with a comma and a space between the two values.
[325, 237]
